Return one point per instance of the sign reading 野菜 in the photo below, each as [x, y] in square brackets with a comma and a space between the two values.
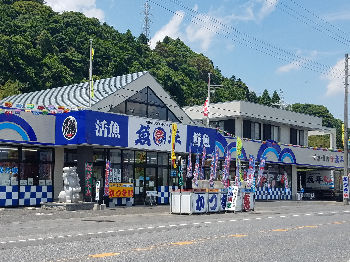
[121, 190]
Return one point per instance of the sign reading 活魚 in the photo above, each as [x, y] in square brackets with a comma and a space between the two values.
[155, 134]
[121, 190]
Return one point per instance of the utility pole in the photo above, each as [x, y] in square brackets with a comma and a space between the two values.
[209, 89]
[345, 200]
[90, 74]
[208, 99]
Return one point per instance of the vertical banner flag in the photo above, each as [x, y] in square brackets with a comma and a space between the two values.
[238, 158]
[251, 171]
[261, 169]
[216, 160]
[108, 169]
[88, 179]
[206, 107]
[345, 187]
[173, 136]
[226, 169]
[203, 162]
[189, 163]
[212, 166]
[196, 170]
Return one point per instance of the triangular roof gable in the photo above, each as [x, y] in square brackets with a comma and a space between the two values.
[146, 80]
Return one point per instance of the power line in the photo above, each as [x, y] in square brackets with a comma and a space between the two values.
[259, 41]
[250, 44]
[315, 24]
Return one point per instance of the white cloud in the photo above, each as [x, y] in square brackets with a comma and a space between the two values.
[171, 29]
[203, 29]
[342, 15]
[335, 84]
[267, 8]
[295, 65]
[87, 7]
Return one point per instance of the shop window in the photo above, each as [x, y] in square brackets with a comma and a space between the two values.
[229, 126]
[29, 174]
[153, 98]
[115, 156]
[98, 155]
[115, 175]
[119, 109]
[8, 153]
[136, 109]
[247, 129]
[128, 156]
[172, 117]
[152, 158]
[8, 173]
[157, 112]
[45, 172]
[163, 176]
[163, 159]
[70, 157]
[30, 154]
[140, 157]
[139, 97]
[45, 155]
[297, 137]
[256, 131]
[275, 133]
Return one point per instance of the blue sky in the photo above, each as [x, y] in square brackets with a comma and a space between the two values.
[290, 45]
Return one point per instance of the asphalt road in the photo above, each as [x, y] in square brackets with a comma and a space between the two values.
[276, 231]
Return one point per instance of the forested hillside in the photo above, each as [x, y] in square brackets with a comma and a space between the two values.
[41, 49]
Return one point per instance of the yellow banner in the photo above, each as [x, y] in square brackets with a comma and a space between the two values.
[239, 147]
[173, 136]
[121, 190]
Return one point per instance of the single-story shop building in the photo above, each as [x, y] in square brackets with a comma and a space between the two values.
[128, 124]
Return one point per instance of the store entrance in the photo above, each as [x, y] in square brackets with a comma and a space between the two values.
[145, 180]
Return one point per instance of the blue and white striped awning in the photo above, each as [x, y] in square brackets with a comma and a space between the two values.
[76, 95]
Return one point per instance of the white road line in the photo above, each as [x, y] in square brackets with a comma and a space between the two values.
[307, 214]
[80, 234]
[97, 233]
[346, 211]
[207, 222]
[161, 226]
[22, 240]
[282, 216]
[172, 225]
[60, 236]
[12, 241]
[258, 218]
[91, 233]
[196, 223]
[269, 217]
[183, 224]
[333, 212]
[121, 230]
[233, 220]
[295, 215]
[40, 238]
[320, 213]
[2, 242]
[246, 219]
[150, 227]
[50, 237]
[220, 221]
[130, 229]
[31, 239]
[140, 228]
[110, 231]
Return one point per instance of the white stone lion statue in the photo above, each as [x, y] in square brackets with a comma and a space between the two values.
[71, 187]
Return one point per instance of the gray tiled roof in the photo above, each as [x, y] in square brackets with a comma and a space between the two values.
[76, 94]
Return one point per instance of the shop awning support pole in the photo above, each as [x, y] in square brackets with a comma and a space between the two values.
[345, 200]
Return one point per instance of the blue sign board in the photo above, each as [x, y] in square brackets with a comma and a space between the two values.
[92, 128]
[198, 137]
[107, 129]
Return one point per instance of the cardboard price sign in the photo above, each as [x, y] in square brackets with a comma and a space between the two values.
[121, 190]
